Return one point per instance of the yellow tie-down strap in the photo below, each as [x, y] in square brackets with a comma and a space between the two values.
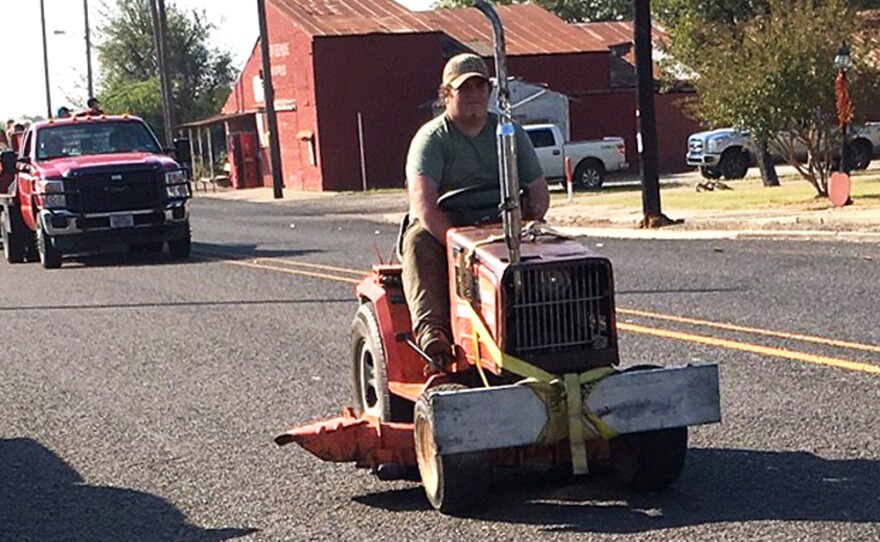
[566, 413]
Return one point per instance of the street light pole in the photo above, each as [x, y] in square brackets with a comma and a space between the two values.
[88, 49]
[269, 98]
[157, 9]
[843, 62]
[46, 62]
[647, 127]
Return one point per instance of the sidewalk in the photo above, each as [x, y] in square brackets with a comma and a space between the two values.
[850, 223]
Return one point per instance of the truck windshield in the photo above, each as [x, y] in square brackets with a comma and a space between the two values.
[95, 138]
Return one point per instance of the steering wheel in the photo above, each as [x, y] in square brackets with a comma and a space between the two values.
[473, 205]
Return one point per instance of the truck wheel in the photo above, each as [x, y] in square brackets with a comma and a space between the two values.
[589, 174]
[860, 154]
[734, 164]
[453, 483]
[50, 258]
[14, 245]
[181, 248]
[709, 172]
[369, 371]
[651, 460]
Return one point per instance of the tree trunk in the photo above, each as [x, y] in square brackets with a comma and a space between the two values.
[765, 163]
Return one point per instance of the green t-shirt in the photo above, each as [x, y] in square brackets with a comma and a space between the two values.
[453, 160]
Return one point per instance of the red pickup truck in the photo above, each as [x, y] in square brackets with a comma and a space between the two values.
[94, 184]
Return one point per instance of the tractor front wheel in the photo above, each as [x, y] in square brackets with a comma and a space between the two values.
[651, 460]
[453, 483]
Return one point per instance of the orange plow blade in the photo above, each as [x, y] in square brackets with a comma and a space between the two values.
[363, 440]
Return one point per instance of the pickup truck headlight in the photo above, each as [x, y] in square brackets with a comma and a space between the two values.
[712, 145]
[51, 193]
[177, 185]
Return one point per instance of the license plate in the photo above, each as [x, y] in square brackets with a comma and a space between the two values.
[121, 221]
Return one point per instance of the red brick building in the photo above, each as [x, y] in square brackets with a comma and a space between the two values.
[361, 76]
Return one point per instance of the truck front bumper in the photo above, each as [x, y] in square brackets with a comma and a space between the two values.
[703, 160]
[105, 232]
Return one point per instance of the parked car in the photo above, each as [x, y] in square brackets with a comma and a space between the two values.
[727, 152]
[590, 160]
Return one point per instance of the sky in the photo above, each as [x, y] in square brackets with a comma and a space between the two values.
[23, 87]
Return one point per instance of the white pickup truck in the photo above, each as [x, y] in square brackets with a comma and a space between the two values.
[590, 160]
[727, 152]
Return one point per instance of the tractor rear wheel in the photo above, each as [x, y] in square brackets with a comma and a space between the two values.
[370, 373]
[453, 483]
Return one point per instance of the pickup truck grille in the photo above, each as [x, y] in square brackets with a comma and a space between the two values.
[563, 319]
[107, 192]
[695, 146]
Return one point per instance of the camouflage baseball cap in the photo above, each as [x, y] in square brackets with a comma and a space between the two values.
[462, 67]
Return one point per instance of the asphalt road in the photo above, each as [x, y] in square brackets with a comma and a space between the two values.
[139, 396]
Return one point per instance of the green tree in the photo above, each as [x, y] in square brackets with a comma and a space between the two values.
[771, 71]
[200, 75]
[574, 11]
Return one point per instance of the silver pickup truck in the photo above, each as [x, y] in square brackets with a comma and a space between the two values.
[727, 152]
[590, 160]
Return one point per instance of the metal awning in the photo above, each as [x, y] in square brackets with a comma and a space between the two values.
[217, 118]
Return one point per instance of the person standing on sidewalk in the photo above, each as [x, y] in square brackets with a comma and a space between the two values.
[455, 150]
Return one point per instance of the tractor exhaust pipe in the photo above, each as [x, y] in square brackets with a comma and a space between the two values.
[506, 137]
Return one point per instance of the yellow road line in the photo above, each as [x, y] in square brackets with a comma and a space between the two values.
[753, 348]
[229, 256]
[360, 273]
[657, 332]
[756, 331]
[255, 265]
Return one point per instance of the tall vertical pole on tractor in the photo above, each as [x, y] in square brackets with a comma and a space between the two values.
[506, 137]
[647, 134]
[269, 96]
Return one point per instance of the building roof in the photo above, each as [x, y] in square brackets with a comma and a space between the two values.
[528, 29]
[350, 17]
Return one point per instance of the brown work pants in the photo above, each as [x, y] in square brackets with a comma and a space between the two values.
[426, 287]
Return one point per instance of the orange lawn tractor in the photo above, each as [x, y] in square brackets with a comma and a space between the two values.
[534, 383]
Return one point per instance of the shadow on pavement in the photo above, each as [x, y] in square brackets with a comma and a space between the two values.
[43, 498]
[175, 304]
[717, 486]
[245, 251]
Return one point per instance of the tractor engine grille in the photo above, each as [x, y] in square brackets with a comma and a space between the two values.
[563, 318]
[117, 191]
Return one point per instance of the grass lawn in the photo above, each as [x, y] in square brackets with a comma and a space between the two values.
[795, 194]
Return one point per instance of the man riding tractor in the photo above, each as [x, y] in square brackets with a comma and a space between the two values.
[457, 150]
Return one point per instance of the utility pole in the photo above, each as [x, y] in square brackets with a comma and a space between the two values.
[49, 113]
[88, 49]
[269, 97]
[647, 125]
[157, 9]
